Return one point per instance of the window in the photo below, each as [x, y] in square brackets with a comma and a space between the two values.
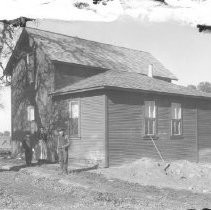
[30, 113]
[150, 70]
[176, 119]
[27, 59]
[74, 114]
[150, 118]
[30, 67]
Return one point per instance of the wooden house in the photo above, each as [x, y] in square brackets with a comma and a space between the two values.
[113, 101]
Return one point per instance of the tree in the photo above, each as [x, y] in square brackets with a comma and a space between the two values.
[6, 133]
[203, 28]
[104, 2]
[204, 86]
[21, 21]
[162, 1]
[7, 42]
[1, 105]
[192, 87]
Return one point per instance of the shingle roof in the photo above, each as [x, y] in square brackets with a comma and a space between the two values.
[132, 81]
[85, 52]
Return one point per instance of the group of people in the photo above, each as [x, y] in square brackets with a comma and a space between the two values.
[40, 151]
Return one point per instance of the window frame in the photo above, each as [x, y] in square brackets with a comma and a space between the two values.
[153, 119]
[174, 135]
[29, 68]
[29, 119]
[75, 136]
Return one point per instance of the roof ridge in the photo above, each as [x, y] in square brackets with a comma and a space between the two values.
[113, 45]
[145, 54]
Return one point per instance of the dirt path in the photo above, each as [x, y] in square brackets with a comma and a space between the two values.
[85, 190]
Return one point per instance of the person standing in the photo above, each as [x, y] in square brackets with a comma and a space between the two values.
[27, 145]
[41, 147]
[62, 149]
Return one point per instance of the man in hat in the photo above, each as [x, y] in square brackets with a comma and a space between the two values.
[62, 148]
[27, 145]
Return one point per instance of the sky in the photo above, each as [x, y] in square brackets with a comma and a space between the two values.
[172, 39]
[188, 11]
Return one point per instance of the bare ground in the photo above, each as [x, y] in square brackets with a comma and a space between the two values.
[178, 175]
[41, 188]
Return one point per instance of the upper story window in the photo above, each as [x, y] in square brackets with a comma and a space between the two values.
[27, 59]
[150, 118]
[30, 67]
[150, 70]
[74, 115]
[176, 119]
[30, 113]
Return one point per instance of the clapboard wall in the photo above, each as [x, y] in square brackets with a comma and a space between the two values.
[127, 141]
[204, 131]
[90, 145]
[112, 127]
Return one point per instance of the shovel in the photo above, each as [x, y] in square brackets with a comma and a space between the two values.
[168, 164]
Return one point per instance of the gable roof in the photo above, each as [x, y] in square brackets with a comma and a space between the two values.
[94, 54]
[129, 81]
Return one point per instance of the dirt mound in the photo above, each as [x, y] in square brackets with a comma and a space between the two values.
[178, 175]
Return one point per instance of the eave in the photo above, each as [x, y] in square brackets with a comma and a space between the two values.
[57, 94]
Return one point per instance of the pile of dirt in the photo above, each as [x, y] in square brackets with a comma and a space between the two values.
[178, 175]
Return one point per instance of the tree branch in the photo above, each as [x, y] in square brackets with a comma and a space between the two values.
[202, 28]
[18, 22]
[6, 39]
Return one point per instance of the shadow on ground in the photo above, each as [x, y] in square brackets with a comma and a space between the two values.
[19, 167]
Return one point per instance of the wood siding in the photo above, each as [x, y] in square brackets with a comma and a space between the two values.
[90, 146]
[204, 131]
[126, 128]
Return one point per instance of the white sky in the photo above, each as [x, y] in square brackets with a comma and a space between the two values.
[186, 11]
[165, 31]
